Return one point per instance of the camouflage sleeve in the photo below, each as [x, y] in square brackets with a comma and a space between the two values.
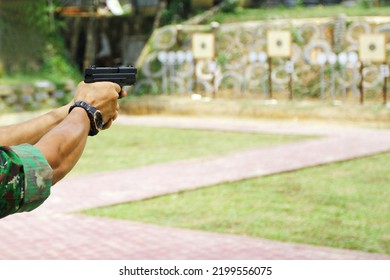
[33, 178]
[38, 177]
[11, 182]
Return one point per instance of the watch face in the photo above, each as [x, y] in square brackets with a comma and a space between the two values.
[98, 120]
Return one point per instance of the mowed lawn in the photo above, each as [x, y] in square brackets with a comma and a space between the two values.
[123, 146]
[343, 205]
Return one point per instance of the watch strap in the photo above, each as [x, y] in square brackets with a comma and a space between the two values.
[91, 112]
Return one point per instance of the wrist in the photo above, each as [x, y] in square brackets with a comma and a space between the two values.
[58, 115]
[80, 118]
[94, 115]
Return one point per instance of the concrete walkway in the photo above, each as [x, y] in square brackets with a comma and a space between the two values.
[53, 232]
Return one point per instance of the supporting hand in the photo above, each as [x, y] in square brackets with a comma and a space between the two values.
[103, 96]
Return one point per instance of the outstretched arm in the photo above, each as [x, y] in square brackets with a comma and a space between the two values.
[63, 145]
[59, 139]
[33, 130]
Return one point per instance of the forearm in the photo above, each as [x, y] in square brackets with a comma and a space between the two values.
[31, 131]
[63, 145]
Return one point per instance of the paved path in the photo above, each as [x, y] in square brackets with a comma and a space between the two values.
[54, 232]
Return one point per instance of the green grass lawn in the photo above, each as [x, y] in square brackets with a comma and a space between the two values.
[343, 205]
[132, 146]
[298, 12]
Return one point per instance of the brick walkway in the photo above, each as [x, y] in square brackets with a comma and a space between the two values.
[53, 232]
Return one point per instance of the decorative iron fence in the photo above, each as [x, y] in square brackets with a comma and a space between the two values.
[324, 62]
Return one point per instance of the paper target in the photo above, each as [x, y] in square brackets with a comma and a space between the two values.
[372, 48]
[203, 45]
[279, 43]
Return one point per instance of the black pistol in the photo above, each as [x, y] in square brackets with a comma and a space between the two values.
[122, 75]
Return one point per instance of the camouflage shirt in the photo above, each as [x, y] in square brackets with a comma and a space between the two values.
[25, 179]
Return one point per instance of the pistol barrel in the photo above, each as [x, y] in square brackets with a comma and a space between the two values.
[124, 76]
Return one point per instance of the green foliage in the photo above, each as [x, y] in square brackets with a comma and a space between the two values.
[56, 63]
[30, 43]
[229, 6]
[176, 11]
[222, 59]
[24, 27]
[365, 3]
[295, 35]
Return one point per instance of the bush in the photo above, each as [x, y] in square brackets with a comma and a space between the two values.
[30, 44]
[229, 6]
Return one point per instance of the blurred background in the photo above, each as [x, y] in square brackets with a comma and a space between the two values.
[45, 45]
[311, 63]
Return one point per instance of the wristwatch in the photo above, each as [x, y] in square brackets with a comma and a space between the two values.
[94, 116]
